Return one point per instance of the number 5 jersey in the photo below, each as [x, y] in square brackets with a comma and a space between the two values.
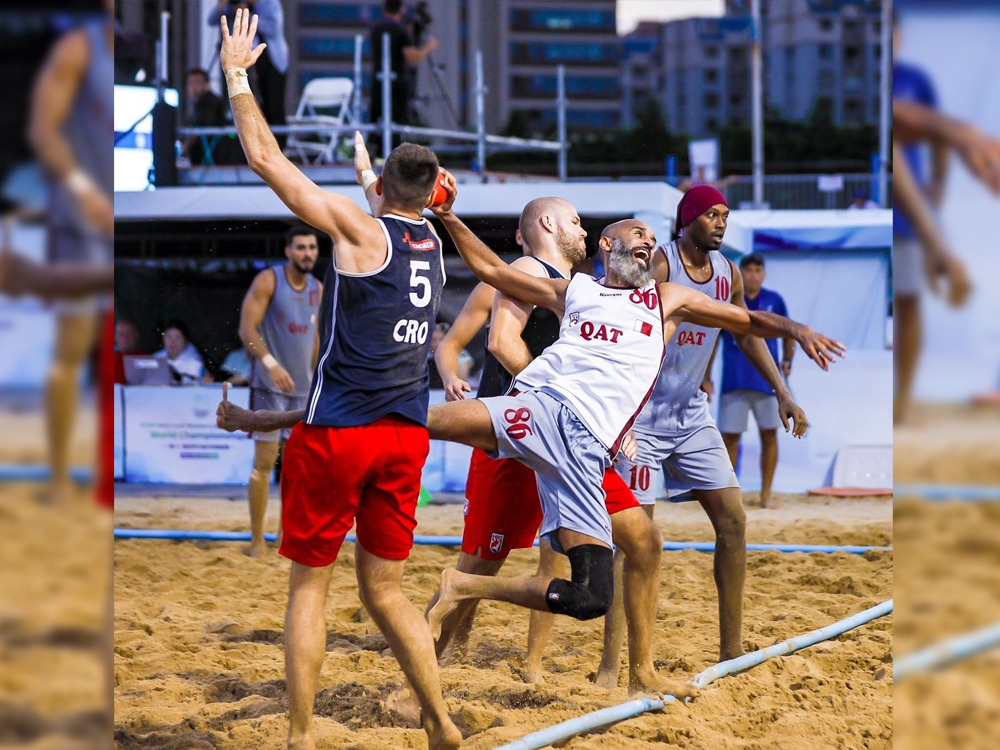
[375, 330]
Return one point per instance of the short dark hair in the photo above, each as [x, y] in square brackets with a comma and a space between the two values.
[409, 175]
[392, 7]
[180, 325]
[299, 230]
[197, 72]
[753, 259]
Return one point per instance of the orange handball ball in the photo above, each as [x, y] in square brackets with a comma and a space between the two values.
[439, 195]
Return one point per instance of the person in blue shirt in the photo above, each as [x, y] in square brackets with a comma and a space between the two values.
[744, 388]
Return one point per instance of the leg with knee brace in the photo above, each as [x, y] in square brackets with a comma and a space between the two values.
[591, 591]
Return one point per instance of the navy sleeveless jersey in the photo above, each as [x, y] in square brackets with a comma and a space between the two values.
[541, 330]
[375, 332]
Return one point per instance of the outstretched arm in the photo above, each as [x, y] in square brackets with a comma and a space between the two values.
[913, 122]
[21, 275]
[233, 418]
[360, 245]
[487, 265]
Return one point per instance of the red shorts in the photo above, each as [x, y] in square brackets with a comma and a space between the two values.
[105, 486]
[502, 509]
[334, 475]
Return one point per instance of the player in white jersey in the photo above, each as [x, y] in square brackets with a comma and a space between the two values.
[578, 401]
[675, 430]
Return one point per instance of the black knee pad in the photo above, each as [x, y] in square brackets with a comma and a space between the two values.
[592, 589]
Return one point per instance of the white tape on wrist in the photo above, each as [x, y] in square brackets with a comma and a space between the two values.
[367, 179]
[78, 183]
[237, 82]
[269, 361]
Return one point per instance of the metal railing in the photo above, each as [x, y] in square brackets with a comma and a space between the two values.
[803, 191]
[479, 141]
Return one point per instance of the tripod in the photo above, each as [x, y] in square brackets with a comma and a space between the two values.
[442, 88]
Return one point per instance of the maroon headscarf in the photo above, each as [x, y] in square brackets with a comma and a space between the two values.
[695, 202]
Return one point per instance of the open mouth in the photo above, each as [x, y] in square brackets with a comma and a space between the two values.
[642, 256]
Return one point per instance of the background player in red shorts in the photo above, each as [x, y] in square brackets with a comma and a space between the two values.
[359, 452]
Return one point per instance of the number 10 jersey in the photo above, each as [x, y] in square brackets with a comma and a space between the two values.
[375, 331]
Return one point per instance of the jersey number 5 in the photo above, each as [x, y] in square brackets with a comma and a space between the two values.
[420, 295]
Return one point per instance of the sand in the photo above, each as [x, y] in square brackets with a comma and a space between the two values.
[947, 577]
[199, 664]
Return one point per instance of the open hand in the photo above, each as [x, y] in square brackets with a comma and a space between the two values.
[819, 348]
[237, 49]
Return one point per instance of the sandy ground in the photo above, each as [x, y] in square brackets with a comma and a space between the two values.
[947, 577]
[54, 600]
[198, 650]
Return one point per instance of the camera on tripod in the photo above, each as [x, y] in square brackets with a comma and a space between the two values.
[419, 19]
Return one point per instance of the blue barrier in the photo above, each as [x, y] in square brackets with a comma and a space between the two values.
[456, 541]
[946, 652]
[597, 719]
[40, 473]
[937, 492]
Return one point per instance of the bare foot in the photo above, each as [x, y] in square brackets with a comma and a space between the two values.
[443, 737]
[59, 494]
[606, 678]
[256, 549]
[728, 655]
[446, 603]
[656, 683]
[403, 701]
[301, 742]
[766, 501]
[533, 674]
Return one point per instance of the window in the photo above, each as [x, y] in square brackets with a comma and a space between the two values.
[324, 48]
[826, 24]
[710, 100]
[852, 110]
[543, 52]
[711, 76]
[582, 87]
[562, 20]
[711, 125]
[325, 14]
[826, 52]
[711, 52]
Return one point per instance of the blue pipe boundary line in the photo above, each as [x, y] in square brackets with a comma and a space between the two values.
[456, 541]
[614, 714]
[940, 492]
[40, 473]
[946, 652]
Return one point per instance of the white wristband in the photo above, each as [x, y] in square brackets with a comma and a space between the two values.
[237, 82]
[367, 179]
[78, 183]
[269, 361]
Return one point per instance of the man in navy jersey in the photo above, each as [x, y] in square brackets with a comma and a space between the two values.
[744, 389]
[358, 453]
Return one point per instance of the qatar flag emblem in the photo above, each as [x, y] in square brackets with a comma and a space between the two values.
[646, 329]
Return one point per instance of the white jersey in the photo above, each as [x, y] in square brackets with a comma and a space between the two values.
[678, 405]
[604, 363]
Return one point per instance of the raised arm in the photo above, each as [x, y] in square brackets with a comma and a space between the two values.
[487, 265]
[474, 315]
[681, 304]
[358, 239]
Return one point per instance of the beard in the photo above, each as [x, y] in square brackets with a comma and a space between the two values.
[620, 261]
[304, 266]
[569, 246]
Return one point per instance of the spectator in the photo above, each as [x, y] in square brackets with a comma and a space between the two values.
[206, 110]
[272, 67]
[744, 389]
[861, 201]
[126, 342]
[465, 360]
[186, 364]
[236, 367]
[403, 52]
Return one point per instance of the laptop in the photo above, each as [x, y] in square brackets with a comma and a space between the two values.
[145, 369]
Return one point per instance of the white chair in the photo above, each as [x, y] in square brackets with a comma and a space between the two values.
[325, 102]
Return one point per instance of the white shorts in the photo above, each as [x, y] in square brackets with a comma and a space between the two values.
[271, 401]
[696, 460]
[735, 407]
[907, 267]
[547, 436]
